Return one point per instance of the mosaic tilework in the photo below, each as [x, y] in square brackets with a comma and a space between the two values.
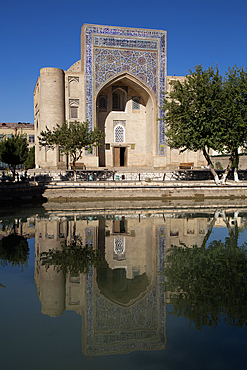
[152, 67]
[109, 63]
[89, 236]
[116, 329]
[111, 328]
[160, 230]
[115, 42]
[109, 316]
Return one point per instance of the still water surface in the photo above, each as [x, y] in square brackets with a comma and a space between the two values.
[131, 298]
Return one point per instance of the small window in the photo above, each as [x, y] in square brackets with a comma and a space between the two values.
[132, 146]
[31, 139]
[73, 112]
[107, 146]
[103, 102]
[135, 103]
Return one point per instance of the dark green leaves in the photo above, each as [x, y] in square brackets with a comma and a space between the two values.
[192, 111]
[14, 150]
[207, 285]
[72, 138]
[207, 112]
[74, 258]
[14, 249]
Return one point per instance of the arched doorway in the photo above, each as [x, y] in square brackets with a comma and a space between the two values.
[126, 112]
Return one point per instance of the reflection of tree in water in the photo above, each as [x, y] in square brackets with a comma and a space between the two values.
[206, 285]
[73, 258]
[14, 249]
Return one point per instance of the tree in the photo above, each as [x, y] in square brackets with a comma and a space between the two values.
[207, 285]
[72, 138]
[30, 161]
[73, 258]
[191, 113]
[233, 116]
[14, 249]
[14, 150]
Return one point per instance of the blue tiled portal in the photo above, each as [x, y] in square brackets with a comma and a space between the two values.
[110, 51]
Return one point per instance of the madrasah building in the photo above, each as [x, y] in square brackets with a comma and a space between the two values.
[118, 85]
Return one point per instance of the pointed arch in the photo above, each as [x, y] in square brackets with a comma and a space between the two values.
[131, 77]
[119, 134]
[123, 94]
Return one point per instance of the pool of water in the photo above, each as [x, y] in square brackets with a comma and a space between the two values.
[123, 303]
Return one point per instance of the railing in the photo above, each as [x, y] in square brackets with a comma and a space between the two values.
[90, 175]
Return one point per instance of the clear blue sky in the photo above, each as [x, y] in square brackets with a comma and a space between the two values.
[46, 33]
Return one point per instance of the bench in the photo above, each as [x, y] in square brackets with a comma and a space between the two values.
[78, 166]
[186, 166]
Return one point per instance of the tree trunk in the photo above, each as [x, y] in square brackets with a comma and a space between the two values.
[212, 223]
[231, 234]
[13, 171]
[225, 174]
[74, 170]
[236, 166]
[210, 164]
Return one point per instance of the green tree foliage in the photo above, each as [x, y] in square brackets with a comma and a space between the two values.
[207, 112]
[207, 285]
[30, 161]
[73, 258]
[14, 249]
[233, 115]
[72, 138]
[191, 113]
[14, 150]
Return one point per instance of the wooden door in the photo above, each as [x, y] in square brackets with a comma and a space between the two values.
[116, 157]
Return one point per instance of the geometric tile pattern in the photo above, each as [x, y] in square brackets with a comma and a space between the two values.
[110, 316]
[115, 329]
[111, 50]
[89, 231]
[112, 328]
[109, 63]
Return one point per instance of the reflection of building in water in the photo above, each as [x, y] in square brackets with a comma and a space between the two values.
[122, 303]
[18, 226]
[128, 312]
[187, 230]
[240, 221]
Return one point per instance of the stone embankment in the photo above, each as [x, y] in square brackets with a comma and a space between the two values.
[126, 186]
[21, 193]
[142, 190]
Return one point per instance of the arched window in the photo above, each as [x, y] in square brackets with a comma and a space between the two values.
[73, 86]
[119, 134]
[115, 101]
[119, 245]
[103, 102]
[119, 98]
[73, 108]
